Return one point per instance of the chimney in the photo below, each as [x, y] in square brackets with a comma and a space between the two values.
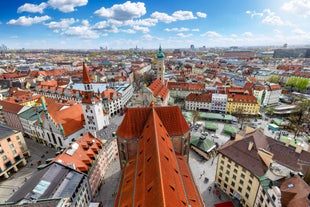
[287, 143]
[250, 146]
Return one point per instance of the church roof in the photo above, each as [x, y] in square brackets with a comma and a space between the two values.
[157, 176]
[135, 118]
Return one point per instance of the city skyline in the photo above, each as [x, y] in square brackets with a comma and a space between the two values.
[91, 24]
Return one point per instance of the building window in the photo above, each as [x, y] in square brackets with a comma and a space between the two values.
[239, 189]
[4, 157]
[242, 175]
[247, 195]
[235, 170]
[250, 181]
[234, 177]
[227, 172]
[9, 139]
[248, 188]
[14, 152]
[232, 183]
[241, 182]
[220, 174]
[228, 166]
[11, 145]
[226, 179]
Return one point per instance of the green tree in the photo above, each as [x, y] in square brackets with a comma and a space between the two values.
[274, 79]
[270, 110]
[299, 120]
[302, 83]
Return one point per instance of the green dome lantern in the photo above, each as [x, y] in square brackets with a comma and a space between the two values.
[160, 53]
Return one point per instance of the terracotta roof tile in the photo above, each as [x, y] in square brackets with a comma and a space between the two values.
[10, 107]
[156, 157]
[135, 118]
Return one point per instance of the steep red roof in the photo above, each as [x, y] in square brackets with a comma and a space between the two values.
[86, 78]
[81, 153]
[170, 183]
[159, 89]
[135, 118]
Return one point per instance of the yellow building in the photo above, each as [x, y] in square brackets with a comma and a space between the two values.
[253, 165]
[246, 104]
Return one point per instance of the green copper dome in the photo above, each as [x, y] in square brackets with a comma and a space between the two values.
[160, 53]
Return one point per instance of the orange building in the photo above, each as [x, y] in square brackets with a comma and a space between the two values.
[153, 148]
[12, 151]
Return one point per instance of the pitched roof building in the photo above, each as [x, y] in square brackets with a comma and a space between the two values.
[251, 168]
[153, 148]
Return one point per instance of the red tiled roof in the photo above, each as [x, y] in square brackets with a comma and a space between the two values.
[170, 184]
[159, 89]
[204, 97]
[186, 86]
[10, 107]
[68, 115]
[134, 120]
[88, 146]
[244, 98]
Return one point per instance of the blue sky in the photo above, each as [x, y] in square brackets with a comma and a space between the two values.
[90, 24]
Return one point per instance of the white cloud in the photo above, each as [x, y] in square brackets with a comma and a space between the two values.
[196, 30]
[254, 13]
[28, 21]
[177, 15]
[247, 34]
[32, 8]
[123, 12]
[148, 37]
[211, 34]
[277, 31]
[67, 5]
[83, 31]
[175, 29]
[201, 15]
[141, 22]
[62, 25]
[106, 27]
[141, 29]
[14, 37]
[272, 19]
[299, 32]
[129, 31]
[163, 17]
[183, 15]
[182, 35]
[298, 7]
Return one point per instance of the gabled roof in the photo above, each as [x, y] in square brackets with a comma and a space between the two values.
[134, 120]
[157, 176]
[10, 107]
[250, 159]
[159, 89]
[81, 153]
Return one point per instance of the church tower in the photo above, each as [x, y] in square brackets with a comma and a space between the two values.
[95, 117]
[160, 65]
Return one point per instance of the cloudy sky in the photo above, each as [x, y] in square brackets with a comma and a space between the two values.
[90, 24]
